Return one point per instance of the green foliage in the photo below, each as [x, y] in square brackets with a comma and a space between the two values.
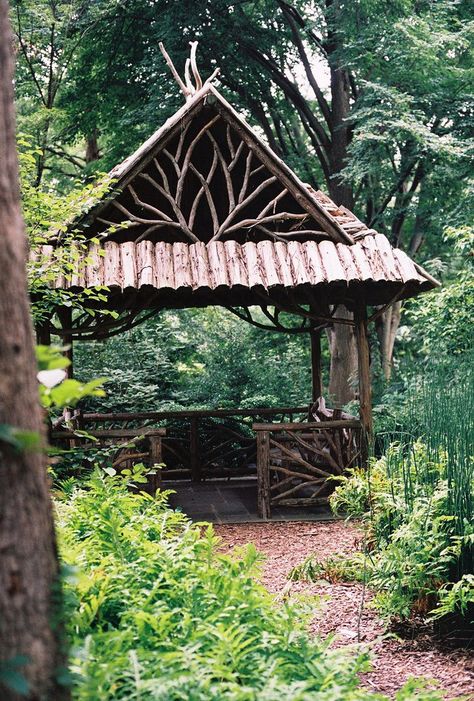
[156, 612]
[198, 358]
[416, 560]
[47, 215]
[334, 569]
[443, 320]
[48, 34]
[417, 503]
[19, 439]
[56, 391]
[457, 597]
[354, 491]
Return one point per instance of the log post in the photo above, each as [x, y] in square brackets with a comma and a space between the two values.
[263, 475]
[365, 387]
[154, 481]
[43, 333]
[65, 319]
[194, 450]
[317, 388]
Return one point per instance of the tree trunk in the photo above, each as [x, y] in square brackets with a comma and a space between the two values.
[29, 590]
[343, 370]
[92, 147]
[340, 191]
[342, 342]
[387, 327]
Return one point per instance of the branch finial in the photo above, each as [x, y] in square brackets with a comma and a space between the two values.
[187, 87]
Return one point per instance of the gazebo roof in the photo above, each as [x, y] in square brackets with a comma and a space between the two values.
[204, 212]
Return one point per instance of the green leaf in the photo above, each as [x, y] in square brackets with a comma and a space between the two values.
[19, 439]
[11, 678]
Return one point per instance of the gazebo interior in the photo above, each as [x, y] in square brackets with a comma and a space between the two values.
[204, 213]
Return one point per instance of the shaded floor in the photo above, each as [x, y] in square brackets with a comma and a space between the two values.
[233, 501]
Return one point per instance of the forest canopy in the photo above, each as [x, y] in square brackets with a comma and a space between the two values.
[369, 101]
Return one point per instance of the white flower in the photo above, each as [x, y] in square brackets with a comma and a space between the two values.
[51, 378]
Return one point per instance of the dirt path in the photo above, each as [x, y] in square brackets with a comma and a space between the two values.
[395, 660]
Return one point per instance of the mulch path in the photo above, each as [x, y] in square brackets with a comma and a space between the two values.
[339, 609]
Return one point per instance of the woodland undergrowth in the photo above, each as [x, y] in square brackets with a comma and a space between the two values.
[156, 612]
[416, 502]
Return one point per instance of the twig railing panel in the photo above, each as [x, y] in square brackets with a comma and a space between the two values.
[128, 447]
[296, 461]
[200, 444]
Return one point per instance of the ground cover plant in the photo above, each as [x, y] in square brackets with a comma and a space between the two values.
[417, 506]
[156, 612]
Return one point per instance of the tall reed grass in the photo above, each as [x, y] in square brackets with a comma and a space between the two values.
[439, 414]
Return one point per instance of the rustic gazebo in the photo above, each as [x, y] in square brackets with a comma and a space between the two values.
[204, 213]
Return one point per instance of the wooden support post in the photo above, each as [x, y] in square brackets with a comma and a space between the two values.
[43, 333]
[65, 319]
[154, 481]
[317, 388]
[263, 475]
[194, 450]
[365, 386]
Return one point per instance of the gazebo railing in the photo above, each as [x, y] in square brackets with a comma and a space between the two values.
[296, 461]
[127, 446]
[199, 444]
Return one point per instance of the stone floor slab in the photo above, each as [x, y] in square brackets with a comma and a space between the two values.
[233, 501]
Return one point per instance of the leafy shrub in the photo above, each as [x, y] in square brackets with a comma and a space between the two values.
[416, 560]
[156, 612]
[457, 597]
[417, 499]
[415, 541]
[337, 568]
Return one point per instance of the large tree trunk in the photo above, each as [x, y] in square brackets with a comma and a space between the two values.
[340, 191]
[343, 370]
[29, 592]
[342, 340]
[92, 147]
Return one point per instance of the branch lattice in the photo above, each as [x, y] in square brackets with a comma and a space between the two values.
[232, 185]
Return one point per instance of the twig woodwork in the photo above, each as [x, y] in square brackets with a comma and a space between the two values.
[195, 445]
[141, 444]
[295, 461]
[204, 213]
[208, 185]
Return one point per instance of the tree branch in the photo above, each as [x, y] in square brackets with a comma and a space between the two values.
[288, 12]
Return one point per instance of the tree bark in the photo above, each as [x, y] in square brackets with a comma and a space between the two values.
[387, 327]
[343, 369]
[92, 147]
[342, 341]
[29, 590]
[341, 338]
[340, 191]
